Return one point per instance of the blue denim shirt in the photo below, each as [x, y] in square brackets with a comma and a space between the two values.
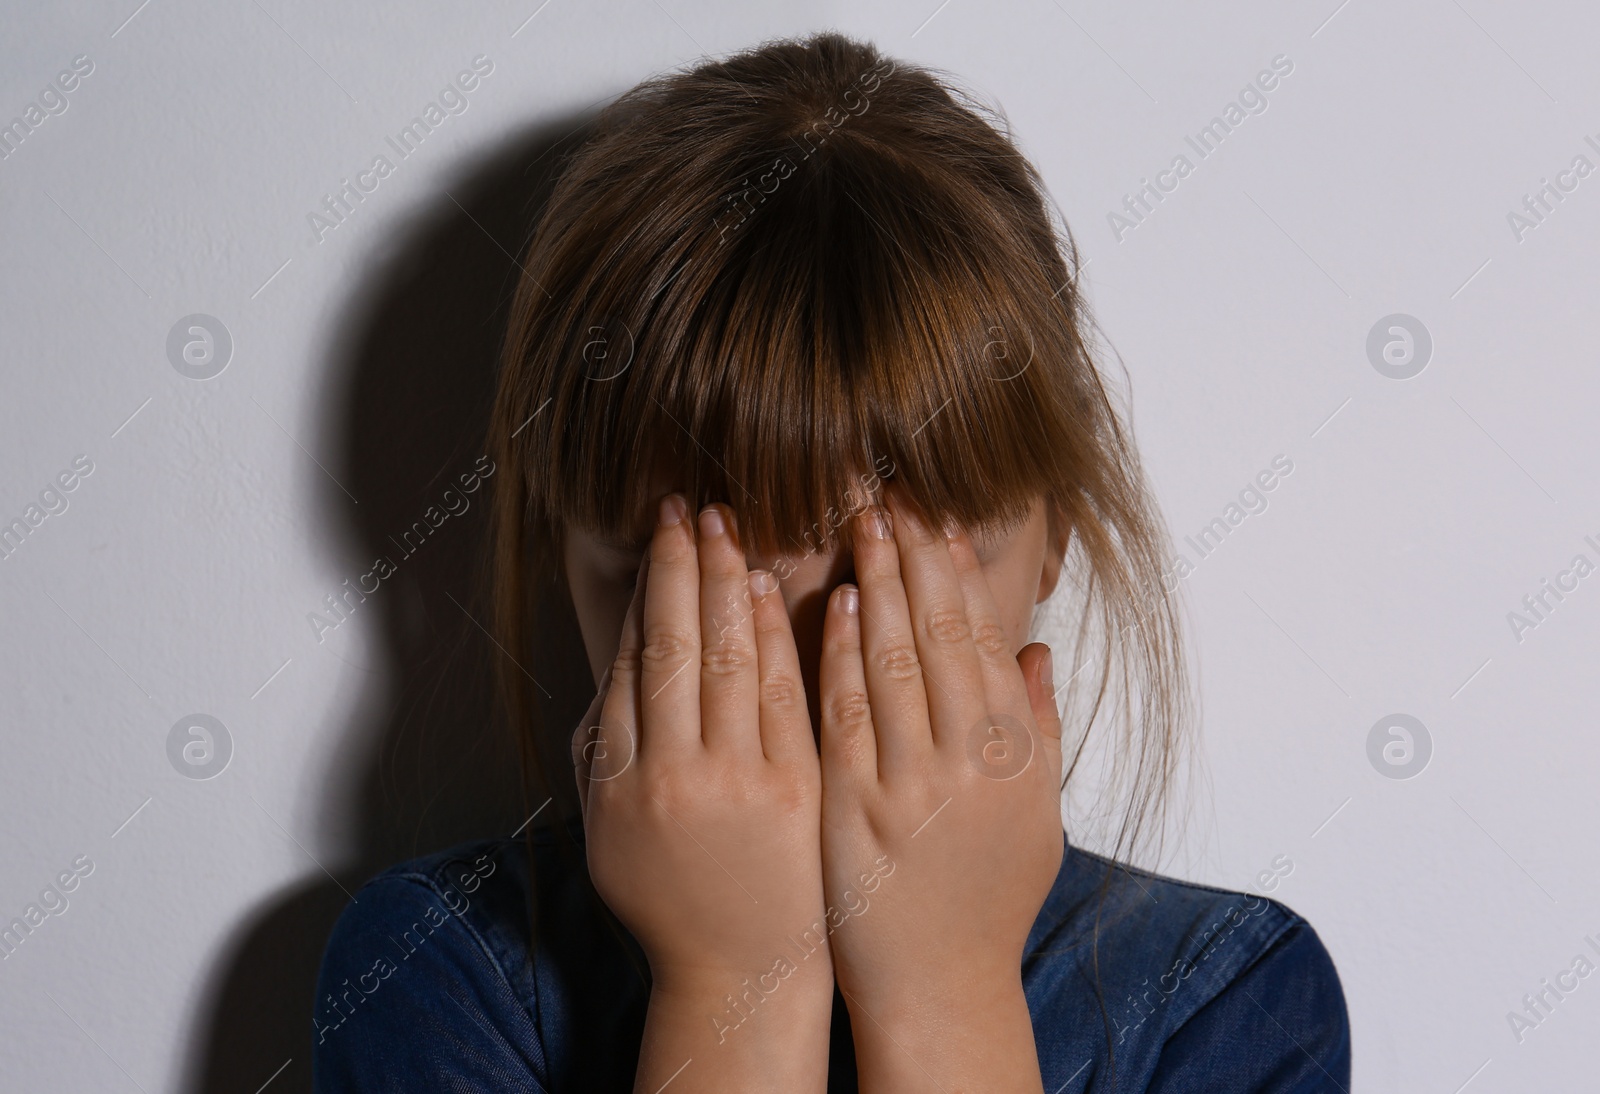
[1135, 982]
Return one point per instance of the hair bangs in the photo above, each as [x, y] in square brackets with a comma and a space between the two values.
[841, 337]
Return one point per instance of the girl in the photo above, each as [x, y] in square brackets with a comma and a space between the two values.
[796, 414]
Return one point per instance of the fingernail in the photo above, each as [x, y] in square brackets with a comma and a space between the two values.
[762, 582]
[951, 528]
[673, 510]
[1047, 671]
[711, 522]
[849, 599]
[878, 521]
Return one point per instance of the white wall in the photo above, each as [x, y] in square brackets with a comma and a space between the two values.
[218, 513]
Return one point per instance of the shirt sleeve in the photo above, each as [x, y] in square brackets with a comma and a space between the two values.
[410, 999]
[1280, 1027]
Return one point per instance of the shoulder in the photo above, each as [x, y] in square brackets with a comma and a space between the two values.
[433, 956]
[1171, 978]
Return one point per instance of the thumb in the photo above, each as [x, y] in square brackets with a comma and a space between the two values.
[582, 736]
[1038, 673]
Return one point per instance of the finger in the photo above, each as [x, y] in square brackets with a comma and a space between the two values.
[583, 738]
[889, 650]
[1037, 663]
[785, 722]
[1002, 677]
[849, 747]
[730, 712]
[951, 672]
[613, 742]
[669, 683]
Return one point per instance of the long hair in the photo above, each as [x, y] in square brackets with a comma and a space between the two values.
[778, 271]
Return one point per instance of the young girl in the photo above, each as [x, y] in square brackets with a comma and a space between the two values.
[796, 414]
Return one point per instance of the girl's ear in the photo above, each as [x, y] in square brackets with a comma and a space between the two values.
[1058, 533]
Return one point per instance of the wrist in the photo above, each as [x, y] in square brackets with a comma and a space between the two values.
[932, 997]
[960, 1033]
[942, 978]
[782, 975]
[745, 1025]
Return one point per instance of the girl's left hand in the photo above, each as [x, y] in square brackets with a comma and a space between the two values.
[941, 814]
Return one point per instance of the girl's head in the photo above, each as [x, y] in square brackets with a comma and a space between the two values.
[778, 282]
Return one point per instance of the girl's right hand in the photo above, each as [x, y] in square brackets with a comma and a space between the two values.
[701, 785]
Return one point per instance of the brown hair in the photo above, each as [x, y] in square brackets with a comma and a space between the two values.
[777, 272]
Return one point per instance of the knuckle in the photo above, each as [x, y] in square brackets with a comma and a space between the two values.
[670, 797]
[947, 626]
[791, 797]
[626, 663]
[665, 646]
[726, 658]
[991, 639]
[897, 661]
[780, 692]
[849, 710]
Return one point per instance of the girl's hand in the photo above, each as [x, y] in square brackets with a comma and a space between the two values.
[942, 834]
[701, 794]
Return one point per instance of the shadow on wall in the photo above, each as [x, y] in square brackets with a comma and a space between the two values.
[426, 764]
